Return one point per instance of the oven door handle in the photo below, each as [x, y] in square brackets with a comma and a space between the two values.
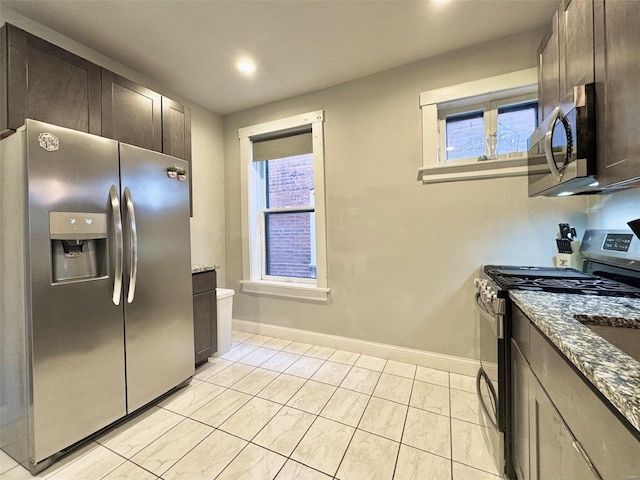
[482, 375]
[496, 320]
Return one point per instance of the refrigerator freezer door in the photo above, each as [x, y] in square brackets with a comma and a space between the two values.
[159, 317]
[77, 352]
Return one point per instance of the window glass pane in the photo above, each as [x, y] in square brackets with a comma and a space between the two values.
[515, 124]
[288, 244]
[290, 181]
[465, 135]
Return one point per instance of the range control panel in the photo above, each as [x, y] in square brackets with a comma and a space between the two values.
[618, 242]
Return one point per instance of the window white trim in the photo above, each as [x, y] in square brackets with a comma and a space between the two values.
[252, 204]
[434, 169]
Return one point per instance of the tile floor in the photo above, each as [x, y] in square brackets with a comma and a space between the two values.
[275, 409]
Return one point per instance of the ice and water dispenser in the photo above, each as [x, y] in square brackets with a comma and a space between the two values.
[78, 246]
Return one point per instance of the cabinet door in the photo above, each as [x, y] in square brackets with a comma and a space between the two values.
[549, 71]
[204, 307]
[555, 453]
[176, 135]
[46, 83]
[520, 412]
[617, 42]
[130, 113]
[576, 45]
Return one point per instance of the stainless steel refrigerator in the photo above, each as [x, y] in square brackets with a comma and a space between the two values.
[96, 286]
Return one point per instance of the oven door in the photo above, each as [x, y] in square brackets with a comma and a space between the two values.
[487, 382]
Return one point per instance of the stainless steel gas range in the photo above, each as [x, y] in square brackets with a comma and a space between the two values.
[611, 267]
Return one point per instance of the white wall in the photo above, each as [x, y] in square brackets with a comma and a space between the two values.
[614, 210]
[401, 255]
[207, 223]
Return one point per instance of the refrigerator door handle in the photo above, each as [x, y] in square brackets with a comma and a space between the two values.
[117, 229]
[133, 245]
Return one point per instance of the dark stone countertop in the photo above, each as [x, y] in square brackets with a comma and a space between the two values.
[614, 373]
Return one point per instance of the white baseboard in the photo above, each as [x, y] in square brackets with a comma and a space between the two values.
[450, 363]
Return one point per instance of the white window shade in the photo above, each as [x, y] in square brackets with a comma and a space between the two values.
[290, 145]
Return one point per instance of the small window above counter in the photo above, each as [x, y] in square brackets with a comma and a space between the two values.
[477, 129]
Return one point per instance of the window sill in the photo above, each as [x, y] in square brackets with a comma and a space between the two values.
[285, 289]
[455, 172]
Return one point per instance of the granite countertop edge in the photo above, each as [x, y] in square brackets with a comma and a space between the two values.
[615, 374]
[199, 268]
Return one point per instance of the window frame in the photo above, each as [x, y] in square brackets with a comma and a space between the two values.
[490, 111]
[253, 207]
[484, 90]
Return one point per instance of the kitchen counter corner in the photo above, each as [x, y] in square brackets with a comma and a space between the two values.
[200, 268]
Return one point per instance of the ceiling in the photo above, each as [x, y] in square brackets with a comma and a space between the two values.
[191, 46]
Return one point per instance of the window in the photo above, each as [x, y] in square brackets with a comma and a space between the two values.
[489, 131]
[478, 129]
[283, 210]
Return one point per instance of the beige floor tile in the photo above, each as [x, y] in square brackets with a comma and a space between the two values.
[129, 471]
[414, 464]
[384, 418]
[240, 337]
[20, 473]
[464, 472]
[258, 340]
[133, 435]
[258, 356]
[428, 431]
[6, 462]
[298, 348]
[361, 380]
[284, 431]
[231, 375]
[211, 367]
[251, 418]
[296, 471]
[207, 459]
[323, 446]
[304, 367]
[462, 382]
[222, 407]
[280, 361]
[428, 396]
[239, 351]
[312, 397]
[163, 453]
[320, 352]
[431, 375]
[394, 388]
[470, 445]
[342, 356]
[282, 388]
[253, 463]
[371, 363]
[465, 406]
[97, 463]
[400, 369]
[277, 344]
[255, 381]
[331, 372]
[192, 399]
[369, 457]
[346, 406]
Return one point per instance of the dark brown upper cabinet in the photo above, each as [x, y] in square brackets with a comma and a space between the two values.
[566, 57]
[47, 83]
[176, 135]
[131, 113]
[617, 43]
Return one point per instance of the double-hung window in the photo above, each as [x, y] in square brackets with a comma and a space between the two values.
[283, 210]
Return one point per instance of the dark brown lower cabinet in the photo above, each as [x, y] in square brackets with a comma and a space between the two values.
[205, 315]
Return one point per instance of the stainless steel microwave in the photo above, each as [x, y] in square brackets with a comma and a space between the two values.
[562, 150]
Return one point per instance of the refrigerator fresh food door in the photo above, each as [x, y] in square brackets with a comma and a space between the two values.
[157, 275]
[77, 350]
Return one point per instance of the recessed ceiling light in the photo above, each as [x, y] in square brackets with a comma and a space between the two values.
[246, 67]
